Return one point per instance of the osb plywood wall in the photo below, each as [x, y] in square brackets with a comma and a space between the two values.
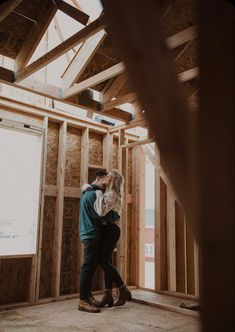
[115, 154]
[15, 273]
[70, 246]
[14, 280]
[47, 247]
[52, 153]
[129, 172]
[95, 149]
[72, 163]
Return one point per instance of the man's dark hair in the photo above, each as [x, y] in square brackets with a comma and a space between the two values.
[100, 173]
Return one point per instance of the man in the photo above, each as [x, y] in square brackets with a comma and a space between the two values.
[90, 235]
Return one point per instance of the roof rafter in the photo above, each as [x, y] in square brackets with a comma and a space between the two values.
[82, 58]
[115, 86]
[47, 13]
[71, 11]
[114, 71]
[59, 50]
[96, 79]
[7, 7]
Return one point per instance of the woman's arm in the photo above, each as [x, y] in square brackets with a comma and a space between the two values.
[86, 187]
[104, 202]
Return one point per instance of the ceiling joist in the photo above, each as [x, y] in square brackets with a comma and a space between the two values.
[61, 49]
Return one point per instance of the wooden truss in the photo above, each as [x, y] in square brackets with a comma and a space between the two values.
[91, 36]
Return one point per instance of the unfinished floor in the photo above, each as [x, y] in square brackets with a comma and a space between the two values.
[64, 316]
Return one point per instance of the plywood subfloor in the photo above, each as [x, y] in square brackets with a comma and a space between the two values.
[64, 316]
[163, 301]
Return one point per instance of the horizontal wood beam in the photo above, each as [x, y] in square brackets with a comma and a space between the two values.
[189, 74]
[130, 97]
[40, 88]
[56, 114]
[139, 143]
[117, 113]
[7, 7]
[50, 91]
[96, 79]
[61, 49]
[6, 75]
[182, 37]
[132, 124]
[73, 12]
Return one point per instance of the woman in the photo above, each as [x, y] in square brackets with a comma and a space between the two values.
[106, 201]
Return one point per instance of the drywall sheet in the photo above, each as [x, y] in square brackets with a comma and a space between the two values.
[20, 179]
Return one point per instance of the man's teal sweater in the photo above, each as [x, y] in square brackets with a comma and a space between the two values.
[90, 229]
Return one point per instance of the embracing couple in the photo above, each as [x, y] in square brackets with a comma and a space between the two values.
[100, 209]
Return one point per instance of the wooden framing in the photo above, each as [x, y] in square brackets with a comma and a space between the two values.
[166, 269]
[113, 89]
[7, 7]
[39, 252]
[58, 29]
[122, 167]
[6, 75]
[96, 79]
[73, 12]
[59, 211]
[129, 98]
[48, 11]
[82, 58]
[107, 151]
[182, 37]
[59, 50]
[171, 253]
[141, 215]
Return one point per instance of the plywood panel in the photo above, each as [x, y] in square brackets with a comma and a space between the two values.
[52, 153]
[73, 153]
[47, 247]
[69, 256]
[187, 57]
[129, 172]
[115, 154]
[180, 15]
[14, 280]
[95, 149]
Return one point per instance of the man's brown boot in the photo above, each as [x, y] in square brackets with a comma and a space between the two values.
[93, 301]
[85, 305]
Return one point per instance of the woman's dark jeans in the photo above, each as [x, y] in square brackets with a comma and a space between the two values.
[110, 236]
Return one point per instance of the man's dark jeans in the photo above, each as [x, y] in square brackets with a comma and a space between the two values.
[90, 262]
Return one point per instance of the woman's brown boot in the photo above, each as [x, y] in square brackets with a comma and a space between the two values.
[107, 299]
[124, 295]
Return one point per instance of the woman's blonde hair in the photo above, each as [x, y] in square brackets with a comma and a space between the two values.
[116, 185]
